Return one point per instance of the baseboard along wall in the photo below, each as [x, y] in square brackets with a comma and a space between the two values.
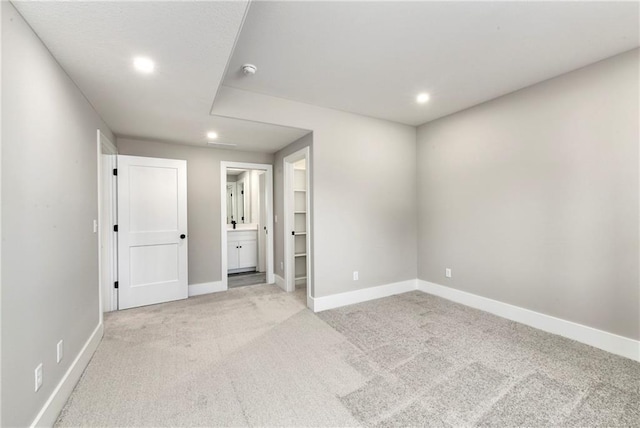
[280, 282]
[206, 288]
[58, 398]
[363, 295]
[609, 342]
[606, 341]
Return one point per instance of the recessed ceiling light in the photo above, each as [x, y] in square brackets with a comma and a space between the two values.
[212, 135]
[143, 65]
[422, 98]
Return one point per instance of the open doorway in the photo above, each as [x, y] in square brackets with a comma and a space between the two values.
[247, 217]
[297, 209]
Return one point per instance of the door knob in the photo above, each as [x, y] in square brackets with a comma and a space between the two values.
[183, 236]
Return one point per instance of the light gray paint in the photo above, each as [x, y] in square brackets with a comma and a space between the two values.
[191, 43]
[203, 197]
[374, 57]
[278, 198]
[532, 199]
[364, 215]
[49, 200]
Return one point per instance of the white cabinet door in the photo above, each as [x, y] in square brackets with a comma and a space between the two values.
[248, 253]
[232, 253]
[152, 231]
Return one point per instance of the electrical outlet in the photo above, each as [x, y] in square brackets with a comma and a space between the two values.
[281, 265]
[59, 351]
[38, 376]
[275, 218]
[355, 275]
[95, 226]
[447, 272]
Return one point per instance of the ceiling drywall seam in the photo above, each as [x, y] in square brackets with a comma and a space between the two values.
[226, 67]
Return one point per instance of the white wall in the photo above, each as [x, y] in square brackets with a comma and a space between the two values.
[364, 212]
[532, 198]
[49, 201]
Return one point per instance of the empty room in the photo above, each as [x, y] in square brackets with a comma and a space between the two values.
[320, 213]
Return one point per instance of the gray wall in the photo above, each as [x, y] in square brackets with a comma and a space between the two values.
[278, 198]
[203, 194]
[532, 198]
[364, 189]
[49, 200]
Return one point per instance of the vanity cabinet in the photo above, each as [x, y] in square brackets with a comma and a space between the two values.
[242, 250]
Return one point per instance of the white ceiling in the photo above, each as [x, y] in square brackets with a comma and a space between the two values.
[370, 58]
[190, 42]
[373, 58]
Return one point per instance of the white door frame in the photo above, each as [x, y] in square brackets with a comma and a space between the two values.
[289, 223]
[105, 146]
[224, 165]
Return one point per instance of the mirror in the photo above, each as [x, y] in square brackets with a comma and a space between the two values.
[237, 200]
[231, 202]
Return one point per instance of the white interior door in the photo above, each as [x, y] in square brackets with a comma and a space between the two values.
[152, 231]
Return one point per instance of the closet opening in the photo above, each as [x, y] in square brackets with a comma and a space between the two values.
[297, 230]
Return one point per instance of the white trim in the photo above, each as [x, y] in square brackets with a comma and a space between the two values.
[223, 216]
[609, 342]
[363, 295]
[206, 288]
[606, 341]
[104, 144]
[279, 281]
[58, 398]
[289, 223]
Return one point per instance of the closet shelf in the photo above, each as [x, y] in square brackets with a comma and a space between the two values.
[300, 278]
[299, 190]
[299, 212]
[300, 233]
[301, 255]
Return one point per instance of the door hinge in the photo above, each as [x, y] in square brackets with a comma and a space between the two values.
[115, 171]
[115, 227]
[115, 284]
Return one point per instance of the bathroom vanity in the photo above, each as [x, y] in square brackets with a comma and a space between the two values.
[242, 249]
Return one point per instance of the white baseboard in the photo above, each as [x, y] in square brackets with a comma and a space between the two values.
[609, 342]
[206, 288]
[58, 398]
[320, 304]
[280, 282]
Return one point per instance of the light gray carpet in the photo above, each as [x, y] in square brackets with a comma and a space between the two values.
[243, 279]
[255, 356]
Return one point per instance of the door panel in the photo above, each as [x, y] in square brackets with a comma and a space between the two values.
[232, 253]
[152, 216]
[248, 254]
[155, 192]
[154, 264]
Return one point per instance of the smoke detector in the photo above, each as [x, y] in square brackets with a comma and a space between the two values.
[249, 69]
